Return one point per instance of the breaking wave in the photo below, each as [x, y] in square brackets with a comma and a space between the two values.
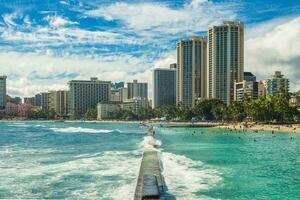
[150, 143]
[82, 130]
[184, 177]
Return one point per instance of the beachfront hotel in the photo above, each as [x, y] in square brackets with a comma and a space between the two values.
[85, 94]
[2, 92]
[137, 90]
[58, 102]
[164, 86]
[191, 77]
[225, 59]
[276, 83]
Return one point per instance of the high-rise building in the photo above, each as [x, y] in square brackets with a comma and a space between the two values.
[87, 94]
[137, 90]
[276, 83]
[248, 76]
[2, 92]
[45, 101]
[164, 83]
[38, 100]
[191, 78]
[29, 100]
[58, 101]
[262, 90]
[225, 59]
[119, 95]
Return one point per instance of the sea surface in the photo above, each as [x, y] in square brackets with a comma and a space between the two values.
[55, 160]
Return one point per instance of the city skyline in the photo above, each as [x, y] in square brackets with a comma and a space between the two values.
[43, 50]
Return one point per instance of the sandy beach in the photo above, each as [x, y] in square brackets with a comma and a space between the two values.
[287, 128]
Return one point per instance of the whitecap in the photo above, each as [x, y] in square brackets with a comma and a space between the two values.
[184, 177]
[82, 130]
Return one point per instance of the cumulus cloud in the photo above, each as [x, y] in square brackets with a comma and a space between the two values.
[275, 46]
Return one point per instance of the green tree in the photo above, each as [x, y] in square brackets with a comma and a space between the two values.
[145, 113]
[236, 111]
[91, 113]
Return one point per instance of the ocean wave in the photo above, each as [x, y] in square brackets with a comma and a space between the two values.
[82, 130]
[184, 177]
[95, 176]
[149, 143]
[39, 125]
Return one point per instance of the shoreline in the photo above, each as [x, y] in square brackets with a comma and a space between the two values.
[287, 128]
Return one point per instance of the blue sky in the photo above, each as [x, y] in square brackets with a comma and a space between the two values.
[43, 44]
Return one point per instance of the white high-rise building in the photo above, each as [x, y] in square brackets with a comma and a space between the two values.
[191, 76]
[225, 59]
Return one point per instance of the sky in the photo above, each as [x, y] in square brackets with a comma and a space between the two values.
[46, 43]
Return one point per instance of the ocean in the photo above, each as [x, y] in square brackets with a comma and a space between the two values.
[55, 160]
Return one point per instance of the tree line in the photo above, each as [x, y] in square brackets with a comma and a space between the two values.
[270, 109]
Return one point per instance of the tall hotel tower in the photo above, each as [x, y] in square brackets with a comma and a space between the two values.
[191, 77]
[225, 59]
[2, 92]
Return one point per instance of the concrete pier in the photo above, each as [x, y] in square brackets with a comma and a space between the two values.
[150, 183]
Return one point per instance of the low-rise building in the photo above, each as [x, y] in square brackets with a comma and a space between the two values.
[107, 110]
[248, 88]
[135, 105]
[11, 109]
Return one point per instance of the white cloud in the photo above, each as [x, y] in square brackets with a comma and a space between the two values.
[46, 36]
[145, 18]
[274, 46]
[24, 65]
[58, 21]
[9, 19]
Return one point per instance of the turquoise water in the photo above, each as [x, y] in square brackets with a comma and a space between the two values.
[101, 161]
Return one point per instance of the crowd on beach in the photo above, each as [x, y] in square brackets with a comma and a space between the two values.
[289, 128]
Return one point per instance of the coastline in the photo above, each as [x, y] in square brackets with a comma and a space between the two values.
[286, 128]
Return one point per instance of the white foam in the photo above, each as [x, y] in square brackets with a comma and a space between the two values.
[149, 143]
[82, 130]
[122, 165]
[39, 125]
[184, 177]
